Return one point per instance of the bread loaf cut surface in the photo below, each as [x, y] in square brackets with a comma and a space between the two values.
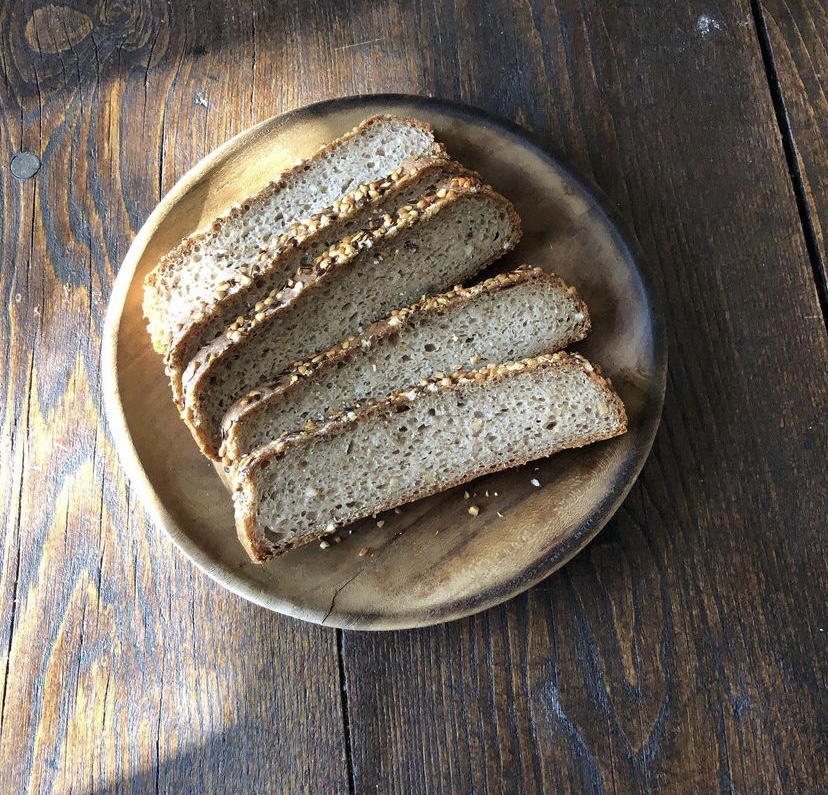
[418, 442]
[299, 247]
[511, 316]
[187, 277]
[445, 238]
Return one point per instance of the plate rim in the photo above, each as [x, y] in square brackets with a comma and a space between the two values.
[539, 569]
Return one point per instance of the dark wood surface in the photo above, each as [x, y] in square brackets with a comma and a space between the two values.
[795, 37]
[682, 652]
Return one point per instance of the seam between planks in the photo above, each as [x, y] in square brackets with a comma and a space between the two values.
[789, 146]
[346, 717]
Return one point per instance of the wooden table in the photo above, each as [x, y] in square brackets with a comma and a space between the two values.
[682, 652]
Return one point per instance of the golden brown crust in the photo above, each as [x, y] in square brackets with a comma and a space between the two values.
[341, 255]
[167, 264]
[237, 296]
[388, 327]
[260, 548]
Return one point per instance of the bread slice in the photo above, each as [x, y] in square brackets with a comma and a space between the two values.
[417, 442]
[187, 277]
[511, 316]
[447, 237]
[299, 247]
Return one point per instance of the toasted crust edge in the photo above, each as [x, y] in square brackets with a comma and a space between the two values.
[209, 439]
[388, 327]
[260, 549]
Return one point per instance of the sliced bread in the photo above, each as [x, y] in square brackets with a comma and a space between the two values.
[187, 277]
[394, 451]
[445, 238]
[299, 247]
[511, 316]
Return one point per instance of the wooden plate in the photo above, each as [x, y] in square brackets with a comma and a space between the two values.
[432, 562]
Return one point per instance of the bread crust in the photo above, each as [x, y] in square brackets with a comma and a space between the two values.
[154, 304]
[196, 376]
[390, 326]
[260, 548]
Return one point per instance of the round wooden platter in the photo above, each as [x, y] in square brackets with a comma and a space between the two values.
[432, 561]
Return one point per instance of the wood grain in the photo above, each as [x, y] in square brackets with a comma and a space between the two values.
[797, 32]
[124, 669]
[682, 652]
[671, 656]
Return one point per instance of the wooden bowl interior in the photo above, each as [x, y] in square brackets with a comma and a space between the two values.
[432, 561]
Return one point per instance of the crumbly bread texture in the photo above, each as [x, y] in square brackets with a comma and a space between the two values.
[417, 442]
[445, 238]
[299, 247]
[187, 277]
[508, 317]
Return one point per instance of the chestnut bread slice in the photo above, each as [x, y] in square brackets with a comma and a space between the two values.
[187, 277]
[511, 316]
[300, 246]
[306, 484]
[445, 238]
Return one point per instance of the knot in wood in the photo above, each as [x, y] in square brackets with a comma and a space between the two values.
[24, 165]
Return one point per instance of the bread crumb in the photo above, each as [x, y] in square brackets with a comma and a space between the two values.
[535, 482]
[323, 545]
[487, 492]
[363, 552]
[381, 522]
[474, 510]
[397, 510]
[466, 495]
[499, 514]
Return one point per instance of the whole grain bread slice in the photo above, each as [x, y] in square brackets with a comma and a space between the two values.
[446, 237]
[511, 316]
[358, 463]
[299, 247]
[186, 279]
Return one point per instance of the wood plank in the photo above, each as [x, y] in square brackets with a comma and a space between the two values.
[124, 669]
[679, 653]
[797, 33]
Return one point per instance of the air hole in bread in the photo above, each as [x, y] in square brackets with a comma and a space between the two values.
[272, 535]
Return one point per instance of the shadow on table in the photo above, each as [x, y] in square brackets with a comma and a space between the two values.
[215, 766]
